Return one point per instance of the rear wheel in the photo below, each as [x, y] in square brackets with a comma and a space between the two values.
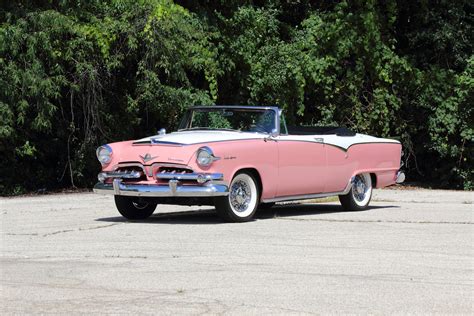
[242, 202]
[360, 194]
[131, 208]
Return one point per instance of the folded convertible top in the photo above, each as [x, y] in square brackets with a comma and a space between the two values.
[320, 130]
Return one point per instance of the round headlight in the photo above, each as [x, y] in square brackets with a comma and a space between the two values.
[205, 157]
[104, 154]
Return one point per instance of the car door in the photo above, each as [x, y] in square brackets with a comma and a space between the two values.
[301, 165]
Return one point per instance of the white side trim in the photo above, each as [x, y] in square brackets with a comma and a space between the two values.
[343, 142]
[198, 137]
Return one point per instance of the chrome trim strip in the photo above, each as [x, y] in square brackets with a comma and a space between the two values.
[229, 140]
[217, 141]
[301, 197]
[155, 141]
[287, 140]
[311, 196]
[122, 174]
[189, 176]
[171, 190]
[143, 143]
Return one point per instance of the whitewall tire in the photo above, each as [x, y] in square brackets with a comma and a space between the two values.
[360, 194]
[242, 202]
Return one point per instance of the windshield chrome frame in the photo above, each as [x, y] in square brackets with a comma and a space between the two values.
[275, 110]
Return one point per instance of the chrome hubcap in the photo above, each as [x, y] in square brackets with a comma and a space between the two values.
[359, 188]
[240, 195]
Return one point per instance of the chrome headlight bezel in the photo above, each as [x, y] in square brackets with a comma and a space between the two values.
[104, 154]
[205, 157]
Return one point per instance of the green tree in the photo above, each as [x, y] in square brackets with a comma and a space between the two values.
[76, 74]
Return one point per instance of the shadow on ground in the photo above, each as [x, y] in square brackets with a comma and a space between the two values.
[209, 216]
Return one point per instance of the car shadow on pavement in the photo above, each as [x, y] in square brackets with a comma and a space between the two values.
[202, 216]
[295, 210]
[209, 216]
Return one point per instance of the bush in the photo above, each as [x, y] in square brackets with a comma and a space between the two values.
[75, 75]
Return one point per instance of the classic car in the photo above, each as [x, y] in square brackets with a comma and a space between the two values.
[241, 158]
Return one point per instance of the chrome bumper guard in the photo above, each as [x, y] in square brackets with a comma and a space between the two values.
[203, 188]
[400, 177]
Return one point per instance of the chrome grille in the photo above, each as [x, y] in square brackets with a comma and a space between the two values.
[130, 169]
[176, 170]
[170, 169]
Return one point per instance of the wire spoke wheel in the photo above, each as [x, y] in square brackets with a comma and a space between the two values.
[360, 188]
[241, 203]
[240, 196]
[360, 194]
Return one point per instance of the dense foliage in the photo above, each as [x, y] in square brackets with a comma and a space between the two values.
[76, 74]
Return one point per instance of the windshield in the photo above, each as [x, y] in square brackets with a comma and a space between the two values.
[242, 120]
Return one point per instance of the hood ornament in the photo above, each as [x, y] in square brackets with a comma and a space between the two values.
[147, 157]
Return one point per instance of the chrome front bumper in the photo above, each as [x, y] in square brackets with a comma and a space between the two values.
[172, 189]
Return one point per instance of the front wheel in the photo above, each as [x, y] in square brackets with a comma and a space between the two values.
[131, 208]
[360, 194]
[241, 203]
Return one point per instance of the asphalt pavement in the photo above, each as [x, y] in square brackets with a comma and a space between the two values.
[411, 252]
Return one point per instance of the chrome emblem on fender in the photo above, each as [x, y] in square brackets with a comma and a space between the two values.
[147, 157]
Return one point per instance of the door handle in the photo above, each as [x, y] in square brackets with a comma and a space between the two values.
[319, 140]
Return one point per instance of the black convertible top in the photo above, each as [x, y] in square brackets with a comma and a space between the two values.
[320, 130]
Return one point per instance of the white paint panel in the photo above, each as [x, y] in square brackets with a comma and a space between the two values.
[196, 137]
[340, 141]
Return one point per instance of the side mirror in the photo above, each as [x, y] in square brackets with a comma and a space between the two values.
[272, 136]
[162, 131]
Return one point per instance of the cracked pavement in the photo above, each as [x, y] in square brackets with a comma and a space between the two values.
[411, 252]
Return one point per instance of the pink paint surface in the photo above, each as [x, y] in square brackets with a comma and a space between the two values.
[285, 167]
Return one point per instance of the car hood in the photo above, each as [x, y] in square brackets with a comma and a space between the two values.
[176, 148]
[197, 137]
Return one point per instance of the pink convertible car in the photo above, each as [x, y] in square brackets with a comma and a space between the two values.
[240, 158]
